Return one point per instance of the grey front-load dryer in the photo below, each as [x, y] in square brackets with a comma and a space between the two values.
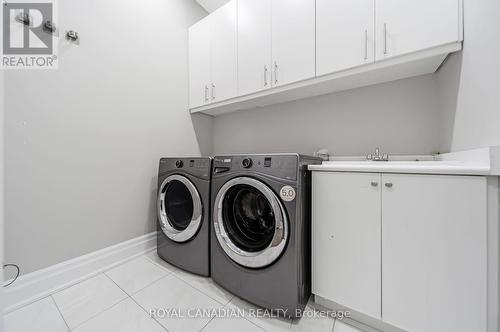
[260, 235]
[183, 210]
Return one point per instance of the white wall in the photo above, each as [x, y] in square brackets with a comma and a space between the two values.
[1, 194]
[469, 83]
[401, 117]
[83, 141]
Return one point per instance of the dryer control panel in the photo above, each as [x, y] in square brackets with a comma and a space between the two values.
[200, 167]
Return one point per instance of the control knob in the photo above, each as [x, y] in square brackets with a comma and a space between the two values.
[247, 163]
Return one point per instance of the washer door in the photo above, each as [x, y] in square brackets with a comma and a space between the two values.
[179, 208]
[250, 222]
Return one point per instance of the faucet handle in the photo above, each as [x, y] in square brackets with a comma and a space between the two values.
[369, 157]
[385, 157]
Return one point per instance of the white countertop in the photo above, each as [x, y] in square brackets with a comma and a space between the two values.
[485, 161]
[424, 167]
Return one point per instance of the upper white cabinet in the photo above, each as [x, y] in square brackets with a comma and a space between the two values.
[199, 63]
[255, 53]
[434, 252]
[346, 232]
[276, 43]
[405, 26]
[224, 52]
[293, 40]
[345, 35]
[213, 57]
[254, 46]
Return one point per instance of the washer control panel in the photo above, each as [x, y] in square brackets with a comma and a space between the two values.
[246, 162]
[282, 166]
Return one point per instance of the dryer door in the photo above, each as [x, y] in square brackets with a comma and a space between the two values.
[250, 222]
[179, 208]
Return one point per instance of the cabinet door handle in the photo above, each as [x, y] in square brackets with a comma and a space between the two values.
[275, 72]
[265, 75]
[213, 91]
[385, 38]
[374, 184]
[389, 185]
[366, 44]
[206, 92]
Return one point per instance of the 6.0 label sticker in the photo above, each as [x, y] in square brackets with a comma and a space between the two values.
[287, 193]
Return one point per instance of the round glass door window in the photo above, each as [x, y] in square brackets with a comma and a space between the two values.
[248, 218]
[250, 222]
[179, 208]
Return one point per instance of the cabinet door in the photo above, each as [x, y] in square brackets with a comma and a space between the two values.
[224, 52]
[293, 40]
[199, 63]
[345, 34]
[405, 26]
[434, 252]
[254, 46]
[346, 240]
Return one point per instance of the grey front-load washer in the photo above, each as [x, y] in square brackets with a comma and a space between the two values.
[260, 239]
[183, 209]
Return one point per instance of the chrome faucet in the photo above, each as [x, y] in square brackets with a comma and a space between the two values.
[377, 156]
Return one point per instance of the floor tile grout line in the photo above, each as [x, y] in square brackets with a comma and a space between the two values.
[137, 303]
[211, 319]
[85, 278]
[191, 286]
[99, 313]
[27, 305]
[96, 273]
[247, 319]
[148, 313]
[187, 282]
[150, 284]
[140, 289]
[225, 306]
[204, 326]
[195, 288]
[172, 273]
[52, 293]
[60, 313]
[105, 309]
[114, 282]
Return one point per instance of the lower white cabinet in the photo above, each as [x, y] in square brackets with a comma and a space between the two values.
[346, 240]
[434, 257]
[404, 248]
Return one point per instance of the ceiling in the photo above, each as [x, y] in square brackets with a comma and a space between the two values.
[211, 5]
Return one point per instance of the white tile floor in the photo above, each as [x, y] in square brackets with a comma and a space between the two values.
[120, 300]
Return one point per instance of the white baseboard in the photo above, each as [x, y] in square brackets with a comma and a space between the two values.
[39, 284]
